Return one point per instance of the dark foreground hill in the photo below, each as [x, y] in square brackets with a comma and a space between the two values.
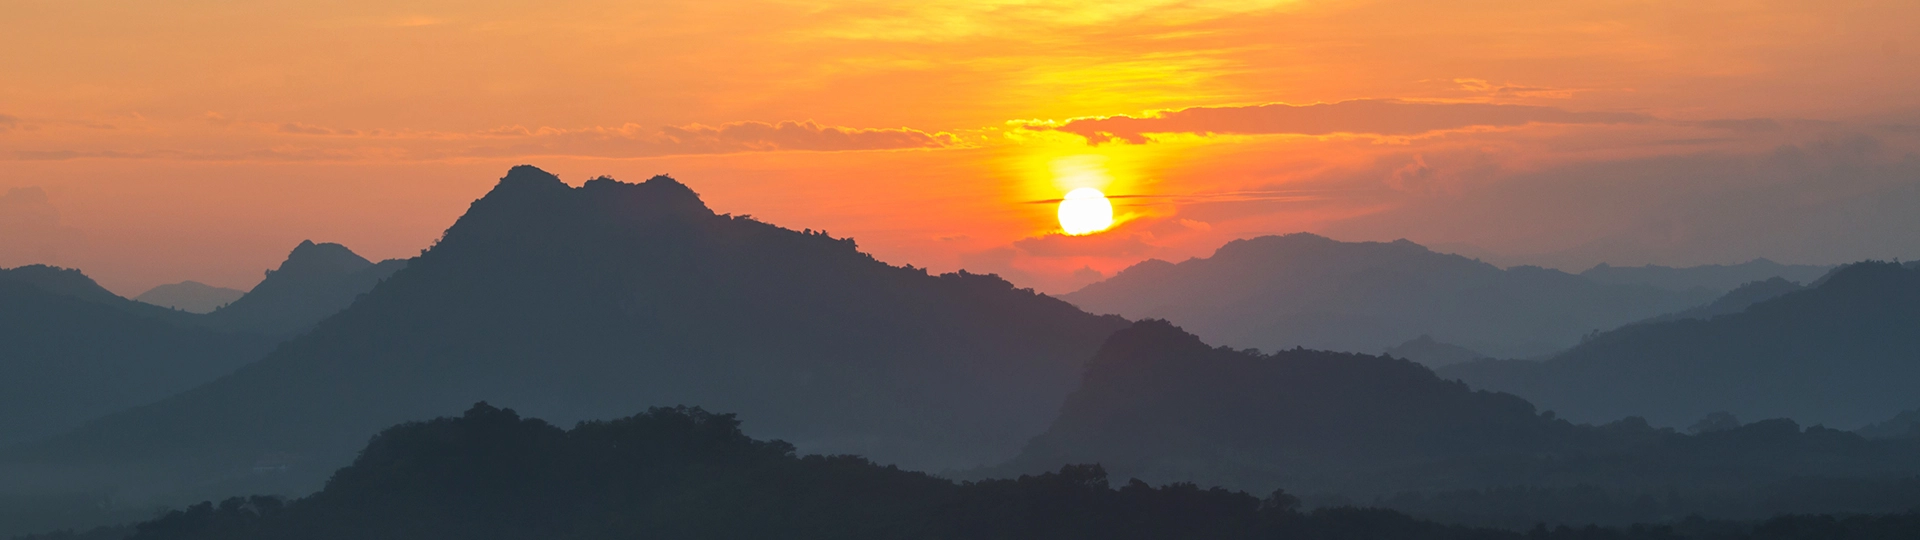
[584, 302]
[1844, 352]
[685, 473]
[1302, 290]
[316, 281]
[1159, 404]
[71, 351]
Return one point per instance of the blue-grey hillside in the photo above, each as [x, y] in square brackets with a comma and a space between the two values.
[1159, 404]
[71, 351]
[1714, 277]
[1844, 352]
[190, 296]
[316, 281]
[1302, 290]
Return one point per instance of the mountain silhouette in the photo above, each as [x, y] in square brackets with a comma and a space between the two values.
[1432, 353]
[190, 296]
[1714, 277]
[685, 473]
[1840, 353]
[1735, 301]
[583, 302]
[1159, 404]
[316, 280]
[72, 351]
[1903, 425]
[1302, 290]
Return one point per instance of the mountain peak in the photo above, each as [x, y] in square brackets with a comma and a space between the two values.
[316, 280]
[327, 258]
[58, 280]
[1262, 246]
[530, 207]
[190, 296]
[528, 177]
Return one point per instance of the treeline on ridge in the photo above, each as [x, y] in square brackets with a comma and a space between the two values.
[686, 473]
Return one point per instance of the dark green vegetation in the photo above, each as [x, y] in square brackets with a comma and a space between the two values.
[1159, 404]
[1301, 290]
[72, 351]
[685, 473]
[1842, 353]
[589, 302]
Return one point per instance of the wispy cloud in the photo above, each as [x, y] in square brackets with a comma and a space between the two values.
[300, 141]
[1370, 116]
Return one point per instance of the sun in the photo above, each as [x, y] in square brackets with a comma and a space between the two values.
[1085, 211]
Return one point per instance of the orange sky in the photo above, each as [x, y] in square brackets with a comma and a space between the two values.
[149, 143]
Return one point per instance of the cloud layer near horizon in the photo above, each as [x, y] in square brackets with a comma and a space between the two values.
[1364, 116]
[299, 141]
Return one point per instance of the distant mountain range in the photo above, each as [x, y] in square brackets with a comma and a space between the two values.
[586, 303]
[1713, 277]
[1735, 301]
[1159, 404]
[316, 281]
[1842, 353]
[190, 296]
[1302, 290]
[1433, 353]
[582, 303]
[71, 351]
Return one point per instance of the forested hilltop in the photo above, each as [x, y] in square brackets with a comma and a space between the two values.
[686, 473]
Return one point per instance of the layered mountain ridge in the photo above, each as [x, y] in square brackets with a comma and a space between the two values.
[1303, 290]
[1840, 352]
[590, 301]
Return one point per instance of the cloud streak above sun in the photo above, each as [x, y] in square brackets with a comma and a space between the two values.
[310, 142]
[1367, 116]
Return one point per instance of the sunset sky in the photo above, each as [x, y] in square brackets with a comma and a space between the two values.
[154, 142]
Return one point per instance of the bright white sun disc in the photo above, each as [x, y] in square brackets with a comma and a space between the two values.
[1085, 211]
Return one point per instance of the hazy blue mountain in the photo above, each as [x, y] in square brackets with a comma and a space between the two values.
[1432, 353]
[1715, 277]
[72, 351]
[73, 283]
[1841, 353]
[1302, 290]
[190, 296]
[1735, 301]
[587, 302]
[1903, 425]
[316, 281]
[1160, 404]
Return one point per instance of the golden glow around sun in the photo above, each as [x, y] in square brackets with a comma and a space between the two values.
[1085, 211]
